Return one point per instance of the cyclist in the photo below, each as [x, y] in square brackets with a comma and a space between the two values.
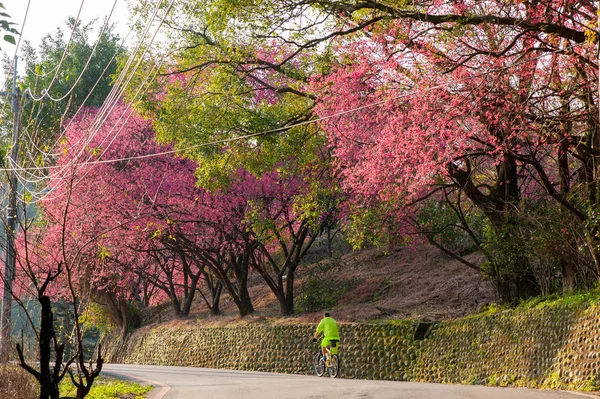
[329, 327]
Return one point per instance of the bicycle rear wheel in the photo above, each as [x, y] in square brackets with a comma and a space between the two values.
[318, 364]
[334, 369]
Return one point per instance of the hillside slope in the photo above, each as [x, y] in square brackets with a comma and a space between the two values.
[420, 283]
[417, 283]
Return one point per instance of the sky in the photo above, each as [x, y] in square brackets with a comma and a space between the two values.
[45, 16]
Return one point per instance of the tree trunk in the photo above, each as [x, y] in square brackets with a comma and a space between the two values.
[329, 249]
[245, 303]
[289, 290]
[285, 307]
[511, 289]
[48, 384]
[82, 391]
[569, 274]
[216, 289]
[286, 295]
[176, 304]
[117, 311]
[215, 309]
[189, 297]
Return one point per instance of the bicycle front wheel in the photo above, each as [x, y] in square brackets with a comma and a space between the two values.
[318, 364]
[334, 369]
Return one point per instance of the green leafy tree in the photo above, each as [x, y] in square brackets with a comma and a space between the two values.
[83, 77]
[228, 86]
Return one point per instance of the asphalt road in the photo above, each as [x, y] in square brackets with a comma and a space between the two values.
[199, 383]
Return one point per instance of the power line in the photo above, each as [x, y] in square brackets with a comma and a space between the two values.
[89, 58]
[58, 139]
[118, 87]
[92, 90]
[22, 28]
[57, 68]
[98, 122]
[304, 123]
[97, 125]
[46, 91]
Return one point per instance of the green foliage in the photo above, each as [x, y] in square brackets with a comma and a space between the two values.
[506, 248]
[577, 298]
[97, 316]
[42, 120]
[322, 197]
[100, 323]
[134, 316]
[228, 112]
[592, 226]
[441, 223]
[531, 242]
[320, 288]
[488, 310]
[7, 26]
[318, 293]
[107, 388]
[234, 87]
[360, 232]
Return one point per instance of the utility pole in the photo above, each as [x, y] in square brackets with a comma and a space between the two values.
[11, 222]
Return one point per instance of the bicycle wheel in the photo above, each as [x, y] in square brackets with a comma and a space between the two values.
[334, 369]
[318, 364]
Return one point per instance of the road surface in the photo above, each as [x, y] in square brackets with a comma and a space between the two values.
[199, 383]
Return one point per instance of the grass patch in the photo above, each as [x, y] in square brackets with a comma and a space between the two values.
[541, 302]
[322, 287]
[16, 383]
[576, 298]
[107, 388]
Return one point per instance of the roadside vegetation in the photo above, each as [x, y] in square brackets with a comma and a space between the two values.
[108, 388]
[579, 297]
[16, 383]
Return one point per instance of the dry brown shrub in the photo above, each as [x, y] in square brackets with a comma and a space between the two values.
[16, 383]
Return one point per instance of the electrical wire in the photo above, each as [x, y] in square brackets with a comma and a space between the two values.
[58, 139]
[92, 90]
[41, 75]
[81, 107]
[123, 88]
[89, 58]
[76, 167]
[108, 112]
[304, 123]
[118, 87]
[46, 91]
[98, 122]
[22, 29]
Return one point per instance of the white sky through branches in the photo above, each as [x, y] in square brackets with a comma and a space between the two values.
[46, 15]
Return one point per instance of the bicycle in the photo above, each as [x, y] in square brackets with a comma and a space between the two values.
[332, 364]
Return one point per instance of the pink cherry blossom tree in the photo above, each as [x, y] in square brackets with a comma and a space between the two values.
[488, 119]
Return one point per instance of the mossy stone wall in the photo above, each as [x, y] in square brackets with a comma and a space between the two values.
[284, 349]
[553, 347]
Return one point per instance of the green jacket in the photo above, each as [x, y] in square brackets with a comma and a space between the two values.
[329, 327]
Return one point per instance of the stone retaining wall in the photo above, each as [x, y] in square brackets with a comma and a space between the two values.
[552, 347]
